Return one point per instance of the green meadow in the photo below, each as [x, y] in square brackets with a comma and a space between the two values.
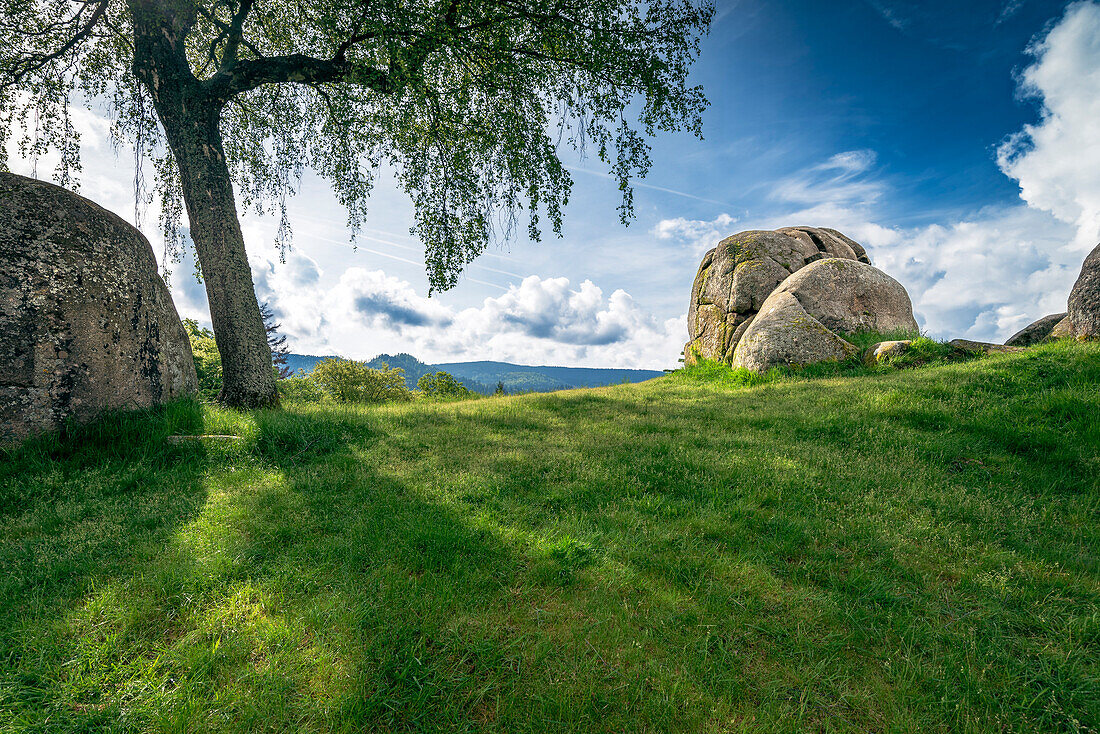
[881, 550]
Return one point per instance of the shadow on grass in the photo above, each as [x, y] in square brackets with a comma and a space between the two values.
[846, 555]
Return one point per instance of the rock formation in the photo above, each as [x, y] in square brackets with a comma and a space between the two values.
[1082, 317]
[1084, 299]
[1062, 329]
[973, 347]
[742, 272]
[801, 321]
[1035, 332]
[885, 351]
[86, 323]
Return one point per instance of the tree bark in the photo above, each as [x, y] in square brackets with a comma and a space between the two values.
[247, 376]
[190, 117]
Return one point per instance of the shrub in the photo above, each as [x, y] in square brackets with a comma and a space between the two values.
[441, 385]
[208, 363]
[300, 390]
[350, 381]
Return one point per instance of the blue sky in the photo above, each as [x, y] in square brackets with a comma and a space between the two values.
[960, 142]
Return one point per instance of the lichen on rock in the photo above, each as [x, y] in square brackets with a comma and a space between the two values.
[735, 279]
[86, 323]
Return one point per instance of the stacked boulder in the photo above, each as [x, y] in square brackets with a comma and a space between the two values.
[86, 323]
[763, 299]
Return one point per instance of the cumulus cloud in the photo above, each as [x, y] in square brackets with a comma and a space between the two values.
[541, 320]
[996, 272]
[983, 278]
[373, 299]
[188, 292]
[1057, 160]
[545, 319]
[990, 274]
[549, 309]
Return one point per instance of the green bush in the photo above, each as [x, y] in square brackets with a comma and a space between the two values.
[441, 385]
[300, 390]
[208, 363]
[350, 381]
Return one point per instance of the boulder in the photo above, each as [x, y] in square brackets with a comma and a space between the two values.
[736, 277]
[86, 323]
[879, 353]
[799, 322]
[1035, 332]
[783, 333]
[1084, 299]
[828, 243]
[848, 297]
[1062, 329]
[972, 347]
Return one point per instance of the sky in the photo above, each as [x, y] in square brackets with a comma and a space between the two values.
[958, 142]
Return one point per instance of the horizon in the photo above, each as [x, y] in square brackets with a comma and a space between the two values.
[959, 146]
[475, 361]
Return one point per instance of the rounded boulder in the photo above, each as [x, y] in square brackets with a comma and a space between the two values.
[735, 278]
[86, 323]
[850, 296]
[1035, 332]
[801, 321]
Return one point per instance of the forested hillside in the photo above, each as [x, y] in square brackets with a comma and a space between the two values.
[482, 377]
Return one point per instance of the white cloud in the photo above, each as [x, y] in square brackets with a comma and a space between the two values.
[891, 15]
[997, 270]
[698, 234]
[838, 180]
[981, 278]
[1010, 9]
[850, 162]
[540, 321]
[984, 278]
[1057, 161]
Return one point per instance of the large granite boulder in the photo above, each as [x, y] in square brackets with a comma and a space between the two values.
[735, 278]
[1035, 332]
[1084, 299]
[86, 323]
[784, 333]
[801, 321]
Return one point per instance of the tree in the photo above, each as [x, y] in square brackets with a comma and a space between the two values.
[500, 388]
[350, 381]
[442, 385]
[466, 101]
[276, 342]
[208, 365]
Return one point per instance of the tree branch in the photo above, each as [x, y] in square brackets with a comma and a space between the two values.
[235, 33]
[247, 75]
[33, 63]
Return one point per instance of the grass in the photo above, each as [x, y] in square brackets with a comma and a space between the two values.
[905, 550]
[922, 352]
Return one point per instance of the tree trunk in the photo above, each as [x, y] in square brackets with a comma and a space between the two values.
[190, 118]
[248, 379]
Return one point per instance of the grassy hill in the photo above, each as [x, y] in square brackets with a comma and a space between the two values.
[907, 551]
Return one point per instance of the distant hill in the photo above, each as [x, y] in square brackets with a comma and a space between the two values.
[528, 378]
[303, 363]
[482, 377]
